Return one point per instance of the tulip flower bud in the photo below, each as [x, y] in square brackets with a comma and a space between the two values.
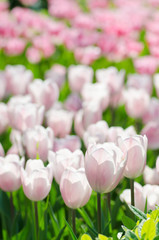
[38, 141]
[10, 167]
[104, 166]
[136, 149]
[74, 187]
[65, 158]
[4, 120]
[36, 179]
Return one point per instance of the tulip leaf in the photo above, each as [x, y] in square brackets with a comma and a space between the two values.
[156, 238]
[85, 217]
[138, 212]
[60, 233]
[157, 229]
[86, 237]
[71, 231]
[131, 235]
[128, 222]
[149, 229]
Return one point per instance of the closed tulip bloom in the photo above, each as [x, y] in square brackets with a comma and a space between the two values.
[74, 187]
[156, 83]
[114, 132]
[151, 176]
[152, 113]
[136, 149]
[71, 142]
[152, 195]
[140, 198]
[4, 120]
[73, 103]
[47, 93]
[140, 81]
[36, 179]
[104, 166]
[37, 142]
[2, 85]
[17, 76]
[96, 132]
[137, 102]
[57, 74]
[24, 116]
[151, 130]
[65, 158]
[78, 76]
[10, 167]
[60, 121]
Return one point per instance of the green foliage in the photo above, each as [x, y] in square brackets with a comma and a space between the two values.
[146, 228]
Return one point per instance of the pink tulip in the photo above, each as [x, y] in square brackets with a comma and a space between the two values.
[87, 55]
[156, 83]
[91, 113]
[44, 44]
[140, 199]
[47, 93]
[84, 21]
[36, 179]
[93, 4]
[151, 176]
[146, 65]
[57, 74]
[2, 153]
[37, 142]
[60, 121]
[104, 166]
[2, 85]
[151, 130]
[33, 55]
[14, 46]
[96, 133]
[74, 187]
[96, 92]
[157, 164]
[10, 167]
[17, 147]
[136, 149]
[114, 132]
[73, 103]
[140, 82]
[17, 75]
[152, 113]
[78, 76]
[136, 102]
[24, 116]
[4, 120]
[71, 142]
[65, 158]
[151, 193]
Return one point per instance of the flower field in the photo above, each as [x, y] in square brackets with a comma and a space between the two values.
[79, 119]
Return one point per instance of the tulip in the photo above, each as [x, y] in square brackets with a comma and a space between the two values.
[73, 103]
[65, 158]
[78, 76]
[156, 83]
[114, 132]
[37, 142]
[96, 132]
[33, 55]
[151, 176]
[16, 139]
[74, 187]
[151, 130]
[152, 195]
[87, 55]
[4, 120]
[24, 116]
[152, 113]
[146, 65]
[137, 102]
[71, 142]
[140, 199]
[104, 166]
[136, 149]
[10, 168]
[57, 74]
[2, 85]
[36, 179]
[140, 81]
[47, 93]
[17, 75]
[60, 121]
[1, 151]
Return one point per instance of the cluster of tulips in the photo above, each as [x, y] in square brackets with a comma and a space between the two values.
[98, 32]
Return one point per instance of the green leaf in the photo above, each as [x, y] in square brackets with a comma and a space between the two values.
[138, 212]
[71, 231]
[85, 216]
[128, 222]
[149, 228]
[131, 235]
[155, 214]
[60, 233]
[157, 229]
[86, 237]
[156, 238]
[102, 237]
[139, 228]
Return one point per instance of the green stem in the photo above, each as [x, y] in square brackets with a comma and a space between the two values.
[11, 206]
[99, 211]
[109, 208]
[35, 231]
[132, 192]
[74, 220]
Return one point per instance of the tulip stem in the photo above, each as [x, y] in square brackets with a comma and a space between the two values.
[35, 223]
[11, 206]
[132, 191]
[74, 220]
[36, 218]
[109, 210]
[99, 211]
